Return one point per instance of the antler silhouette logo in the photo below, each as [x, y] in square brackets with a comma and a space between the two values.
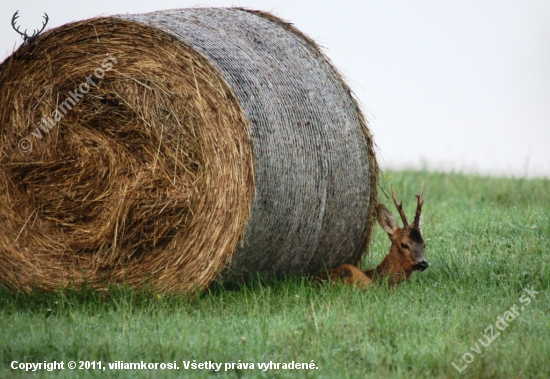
[24, 35]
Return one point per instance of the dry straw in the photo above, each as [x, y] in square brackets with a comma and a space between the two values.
[215, 143]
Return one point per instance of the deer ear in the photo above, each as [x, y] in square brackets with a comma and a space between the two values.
[386, 220]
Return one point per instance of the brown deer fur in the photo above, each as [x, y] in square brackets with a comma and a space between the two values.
[406, 252]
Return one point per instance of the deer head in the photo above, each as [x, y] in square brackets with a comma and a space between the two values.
[24, 35]
[407, 245]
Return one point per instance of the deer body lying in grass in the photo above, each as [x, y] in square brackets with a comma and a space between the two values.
[406, 252]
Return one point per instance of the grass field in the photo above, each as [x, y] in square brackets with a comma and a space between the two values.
[488, 246]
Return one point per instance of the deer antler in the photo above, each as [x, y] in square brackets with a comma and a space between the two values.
[24, 35]
[399, 209]
[37, 32]
[416, 223]
[15, 17]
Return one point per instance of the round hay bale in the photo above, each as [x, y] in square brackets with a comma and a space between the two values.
[177, 148]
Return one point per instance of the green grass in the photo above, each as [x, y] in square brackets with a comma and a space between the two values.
[488, 240]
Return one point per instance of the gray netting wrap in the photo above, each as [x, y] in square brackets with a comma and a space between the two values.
[236, 108]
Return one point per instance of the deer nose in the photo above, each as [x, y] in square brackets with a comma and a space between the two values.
[421, 266]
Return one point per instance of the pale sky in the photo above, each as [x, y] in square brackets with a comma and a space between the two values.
[452, 85]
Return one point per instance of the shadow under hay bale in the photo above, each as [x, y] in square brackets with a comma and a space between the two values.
[176, 148]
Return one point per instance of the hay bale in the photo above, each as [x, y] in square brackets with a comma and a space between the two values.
[199, 144]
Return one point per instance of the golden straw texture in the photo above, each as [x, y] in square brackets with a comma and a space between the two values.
[176, 148]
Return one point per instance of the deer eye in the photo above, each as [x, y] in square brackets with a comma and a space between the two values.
[404, 246]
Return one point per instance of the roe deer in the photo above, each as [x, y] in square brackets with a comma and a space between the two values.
[406, 252]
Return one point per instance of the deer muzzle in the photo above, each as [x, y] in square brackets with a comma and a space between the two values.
[421, 266]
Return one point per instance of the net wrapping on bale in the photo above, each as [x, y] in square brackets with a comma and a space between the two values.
[222, 142]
